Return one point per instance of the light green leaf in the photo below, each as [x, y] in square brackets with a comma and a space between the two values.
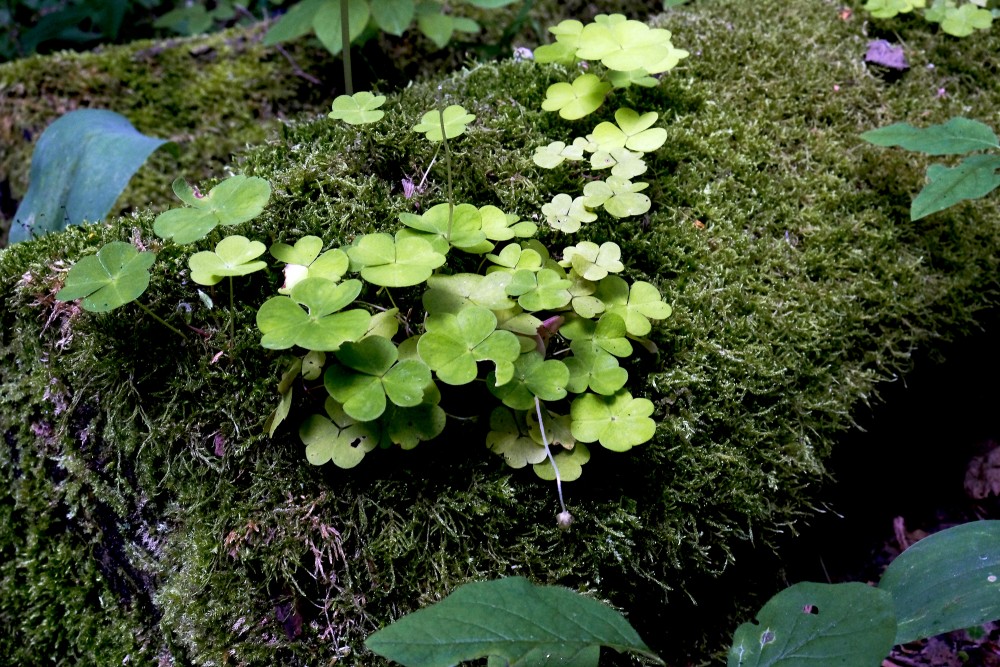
[326, 23]
[964, 20]
[512, 618]
[591, 261]
[638, 77]
[384, 324]
[456, 119]
[453, 344]
[533, 377]
[541, 290]
[886, 9]
[394, 262]
[466, 227]
[408, 427]
[341, 439]
[945, 582]
[393, 16]
[509, 438]
[285, 387]
[618, 422]
[312, 364]
[585, 95]
[607, 334]
[500, 226]
[304, 252]
[633, 132]
[818, 624]
[637, 305]
[619, 196]
[450, 294]
[81, 164]
[554, 154]
[959, 135]
[516, 257]
[232, 257]
[116, 275]
[358, 109]
[284, 323]
[370, 373]
[567, 214]
[570, 464]
[974, 177]
[231, 202]
[593, 368]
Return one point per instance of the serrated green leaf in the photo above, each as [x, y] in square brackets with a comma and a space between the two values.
[958, 135]
[116, 275]
[976, 176]
[511, 618]
[853, 624]
[947, 581]
[618, 422]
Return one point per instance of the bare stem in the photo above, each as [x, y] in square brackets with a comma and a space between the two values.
[345, 42]
[232, 312]
[160, 319]
[447, 164]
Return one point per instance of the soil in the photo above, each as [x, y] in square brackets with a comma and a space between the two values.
[929, 459]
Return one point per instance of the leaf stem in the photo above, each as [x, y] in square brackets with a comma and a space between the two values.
[548, 452]
[160, 319]
[447, 163]
[232, 312]
[345, 46]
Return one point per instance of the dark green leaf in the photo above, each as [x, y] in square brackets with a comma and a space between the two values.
[947, 581]
[976, 176]
[117, 274]
[958, 135]
[818, 624]
[294, 24]
[393, 16]
[511, 618]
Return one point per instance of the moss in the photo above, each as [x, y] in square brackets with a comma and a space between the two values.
[781, 239]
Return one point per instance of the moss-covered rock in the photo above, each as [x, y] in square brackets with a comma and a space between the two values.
[135, 461]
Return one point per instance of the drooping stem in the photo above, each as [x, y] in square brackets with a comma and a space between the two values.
[548, 452]
[345, 43]
[160, 319]
[232, 311]
[447, 165]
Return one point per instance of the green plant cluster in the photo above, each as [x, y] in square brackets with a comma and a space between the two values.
[323, 18]
[956, 17]
[975, 176]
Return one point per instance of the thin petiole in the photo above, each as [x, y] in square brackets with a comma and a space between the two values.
[447, 163]
[160, 319]
[548, 452]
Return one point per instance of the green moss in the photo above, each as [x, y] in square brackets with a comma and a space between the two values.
[780, 238]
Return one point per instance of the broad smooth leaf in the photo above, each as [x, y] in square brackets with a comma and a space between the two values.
[945, 582]
[295, 23]
[393, 16]
[818, 624]
[976, 176]
[80, 166]
[117, 274]
[510, 618]
[326, 23]
[959, 135]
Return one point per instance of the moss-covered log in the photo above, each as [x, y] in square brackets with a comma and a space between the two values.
[146, 515]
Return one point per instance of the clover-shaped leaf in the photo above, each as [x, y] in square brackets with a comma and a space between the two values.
[234, 200]
[963, 21]
[623, 162]
[304, 252]
[341, 439]
[233, 256]
[570, 464]
[554, 154]
[312, 364]
[500, 226]
[618, 422]
[408, 427]
[541, 290]
[563, 51]
[591, 367]
[521, 324]
[394, 262]
[626, 45]
[453, 344]
[510, 439]
[533, 376]
[358, 109]
[633, 132]
[456, 118]
[304, 261]
[585, 95]
[607, 334]
[557, 429]
[567, 214]
[466, 228]
[284, 323]
[584, 302]
[369, 373]
[619, 196]
[886, 9]
[638, 77]
[592, 261]
[117, 274]
[637, 305]
[450, 294]
[384, 324]
[516, 257]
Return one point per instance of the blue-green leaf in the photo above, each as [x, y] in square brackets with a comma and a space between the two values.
[80, 166]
